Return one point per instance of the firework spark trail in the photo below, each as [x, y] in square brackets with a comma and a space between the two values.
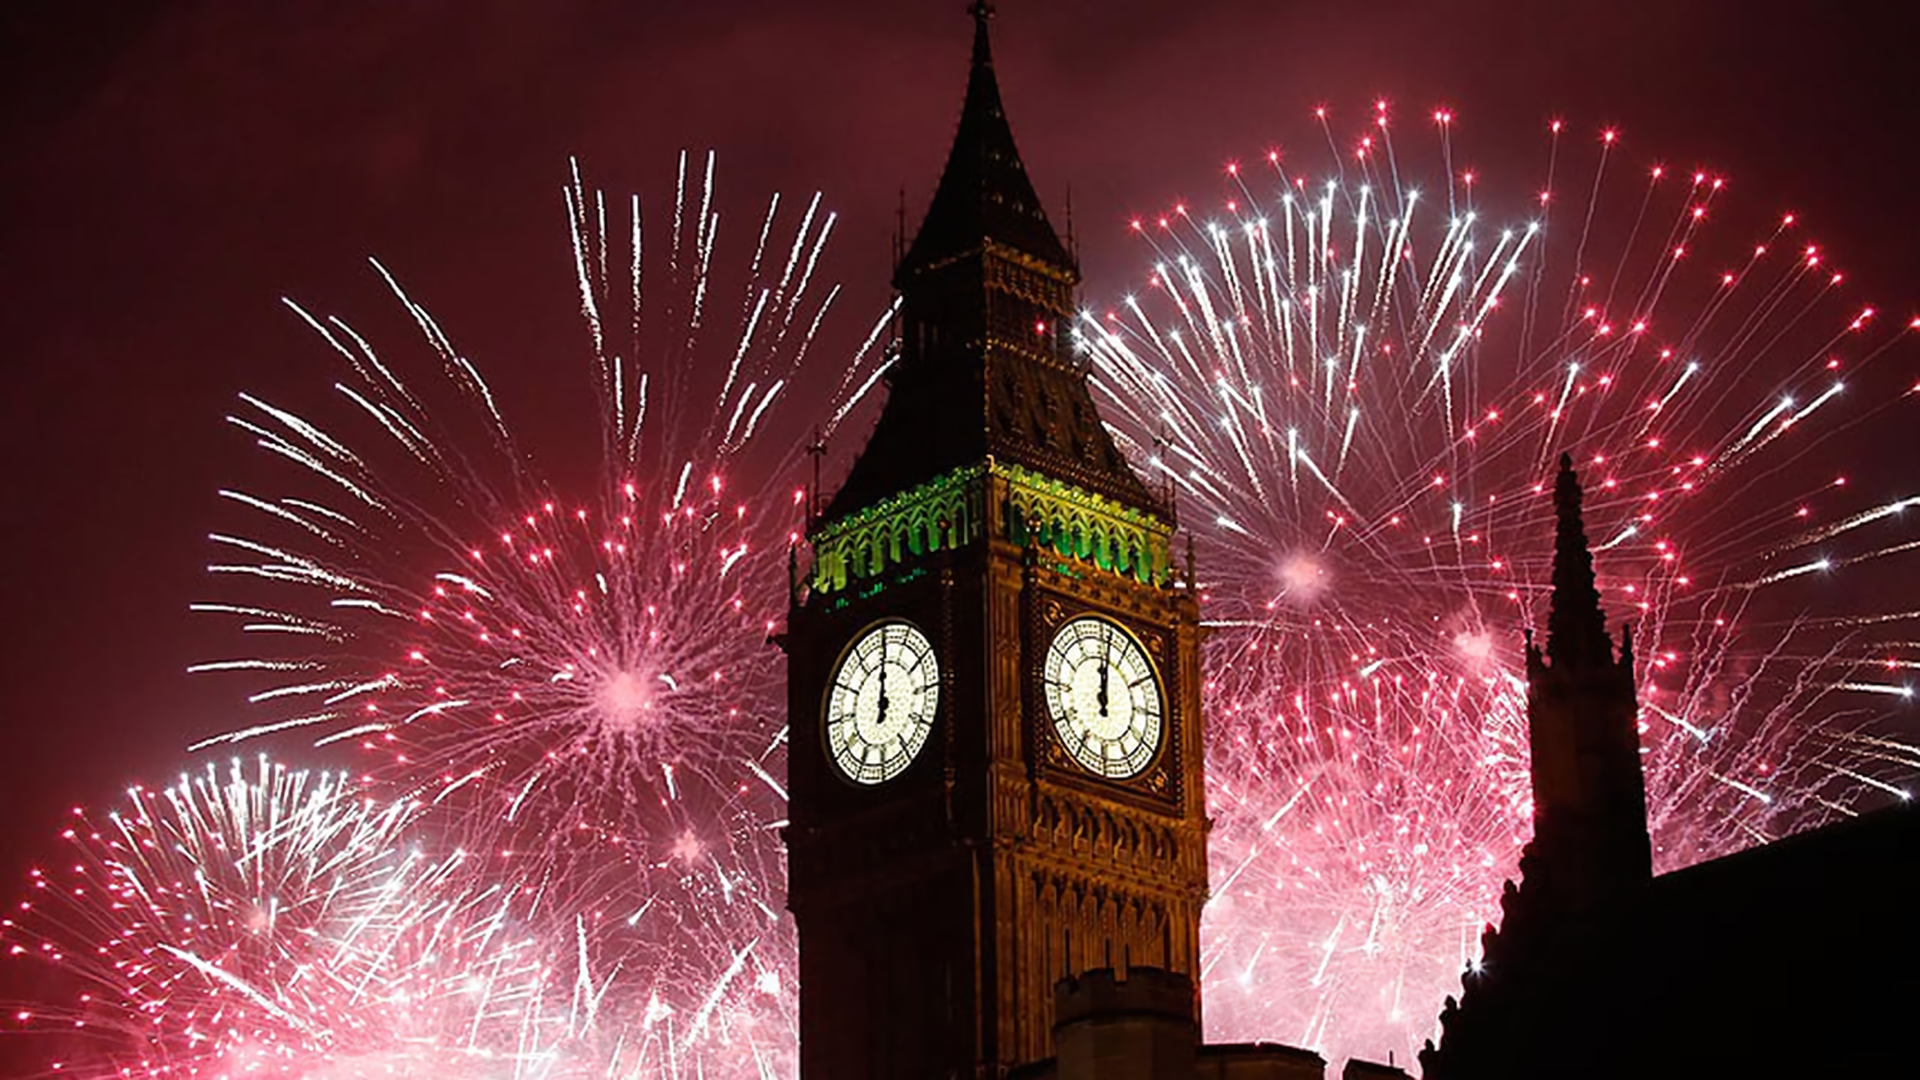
[282, 922]
[574, 677]
[1359, 389]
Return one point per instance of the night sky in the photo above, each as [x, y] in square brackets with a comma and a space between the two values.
[171, 173]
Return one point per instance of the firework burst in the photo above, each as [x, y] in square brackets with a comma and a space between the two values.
[1356, 375]
[577, 674]
[275, 922]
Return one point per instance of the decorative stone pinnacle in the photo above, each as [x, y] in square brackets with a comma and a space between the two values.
[1576, 627]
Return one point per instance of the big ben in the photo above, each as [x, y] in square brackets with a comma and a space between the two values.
[993, 669]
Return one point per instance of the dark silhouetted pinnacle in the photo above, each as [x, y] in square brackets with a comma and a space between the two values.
[1576, 627]
[984, 194]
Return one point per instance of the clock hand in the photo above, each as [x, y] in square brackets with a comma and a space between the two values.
[883, 676]
[1106, 649]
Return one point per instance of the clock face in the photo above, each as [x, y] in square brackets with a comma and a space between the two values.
[880, 707]
[1104, 698]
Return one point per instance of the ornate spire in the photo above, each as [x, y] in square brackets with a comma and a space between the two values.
[1590, 853]
[1576, 627]
[1590, 817]
[984, 195]
[986, 371]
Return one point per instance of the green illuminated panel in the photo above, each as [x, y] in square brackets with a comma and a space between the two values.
[1085, 527]
[865, 551]
[940, 515]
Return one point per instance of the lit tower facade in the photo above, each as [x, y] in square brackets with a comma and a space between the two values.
[993, 669]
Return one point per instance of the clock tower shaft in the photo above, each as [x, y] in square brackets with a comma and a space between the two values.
[937, 909]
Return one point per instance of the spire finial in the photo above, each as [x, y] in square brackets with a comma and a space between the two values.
[1576, 627]
[981, 10]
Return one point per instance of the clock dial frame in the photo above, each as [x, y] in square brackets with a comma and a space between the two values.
[1104, 696]
[879, 707]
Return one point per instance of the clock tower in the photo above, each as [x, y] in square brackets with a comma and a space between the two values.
[993, 670]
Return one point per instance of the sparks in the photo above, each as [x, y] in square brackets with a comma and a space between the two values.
[1367, 734]
[576, 674]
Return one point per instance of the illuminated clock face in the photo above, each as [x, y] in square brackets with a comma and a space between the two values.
[1104, 698]
[881, 704]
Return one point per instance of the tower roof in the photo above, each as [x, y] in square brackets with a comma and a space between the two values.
[1576, 627]
[984, 195]
[986, 369]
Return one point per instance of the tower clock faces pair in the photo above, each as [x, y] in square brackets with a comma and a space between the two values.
[1100, 690]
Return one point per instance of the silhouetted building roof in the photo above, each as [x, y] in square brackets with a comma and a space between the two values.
[1797, 957]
